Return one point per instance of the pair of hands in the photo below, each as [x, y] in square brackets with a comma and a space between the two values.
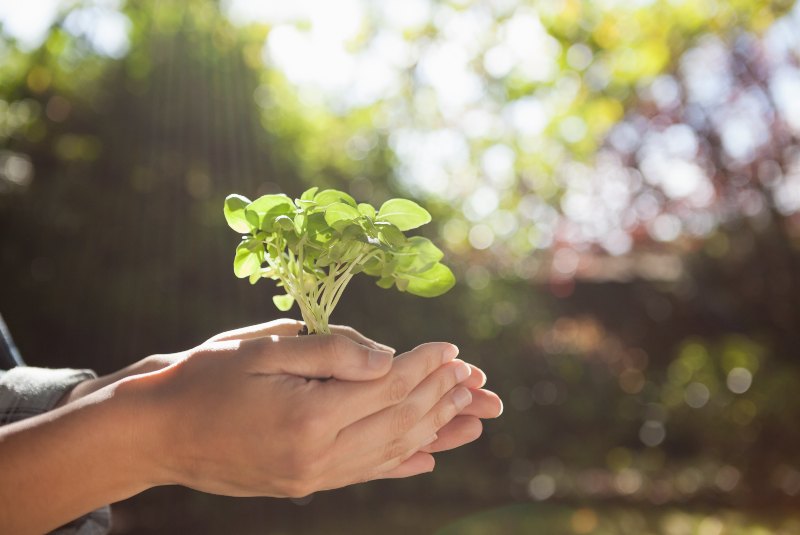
[259, 411]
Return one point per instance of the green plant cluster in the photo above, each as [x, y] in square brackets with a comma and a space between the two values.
[314, 245]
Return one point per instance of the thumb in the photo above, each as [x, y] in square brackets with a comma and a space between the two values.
[320, 357]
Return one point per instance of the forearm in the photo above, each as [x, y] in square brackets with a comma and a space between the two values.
[62, 464]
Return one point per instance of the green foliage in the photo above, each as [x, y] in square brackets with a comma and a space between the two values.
[314, 245]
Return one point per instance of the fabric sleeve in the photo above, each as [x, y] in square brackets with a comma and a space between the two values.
[26, 391]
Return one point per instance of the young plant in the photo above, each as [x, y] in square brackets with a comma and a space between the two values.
[314, 245]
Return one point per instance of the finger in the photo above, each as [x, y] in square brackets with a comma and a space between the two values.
[355, 401]
[419, 463]
[476, 378]
[280, 327]
[397, 420]
[360, 338]
[383, 441]
[461, 430]
[289, 327]
[485, 404]
[393, 435]
[442, 411]
[317, 357]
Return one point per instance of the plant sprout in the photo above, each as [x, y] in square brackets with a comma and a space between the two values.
[313, 246]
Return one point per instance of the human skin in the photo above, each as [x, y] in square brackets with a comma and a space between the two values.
[463, 429]
[244, 414]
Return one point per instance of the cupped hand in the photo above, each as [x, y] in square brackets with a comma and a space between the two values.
[294, 382]
[466, 427]
[280, 327]
[242, 417]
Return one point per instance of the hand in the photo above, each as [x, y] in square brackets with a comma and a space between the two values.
[242, 414]
[464, 428]
[238, 416]
[467, 426]
[280, 327]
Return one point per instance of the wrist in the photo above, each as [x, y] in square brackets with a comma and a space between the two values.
[84, 388]
[63, 463]
[143, 445]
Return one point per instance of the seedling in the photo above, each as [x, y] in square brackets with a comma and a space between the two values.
[313, 246]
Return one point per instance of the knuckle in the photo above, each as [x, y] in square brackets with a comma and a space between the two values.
[297, 489]
[442, 416]
[443, 385]
[394, 449]
[286, 326]
[307, 425]
[432, 361]
[406, 456]
[398, 390]
[312, 427]
[405, 418]
[336, 346]
[255, 347]
[304, 469]
[349, 330]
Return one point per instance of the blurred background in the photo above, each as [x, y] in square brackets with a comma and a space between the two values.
[616, 184]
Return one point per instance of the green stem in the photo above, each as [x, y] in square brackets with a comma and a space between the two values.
[339, 294]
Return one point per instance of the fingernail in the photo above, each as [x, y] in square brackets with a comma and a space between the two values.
[378, 359]
[483, 377]
[461, 398]
[449, 353]
[462, 372]
[431, 440]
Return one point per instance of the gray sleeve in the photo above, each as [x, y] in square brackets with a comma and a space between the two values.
[26, 391]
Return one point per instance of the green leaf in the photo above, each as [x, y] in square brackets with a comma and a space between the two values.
[330, 196]
[404, 214]
[253, 245]
[325, 259]
[234, 213]
[327, 229]
[283, 302]
[389, 267]
[374, 266]
[262, 212]
[317, 229]
[419, 254]
[340, 211]
[308, 195]
[354, 248]
[431, 283]
[337, 251]
[299, 223]
[285, 222]
[391, 236]
[273, 251]
[385, 282]
[367, 210]
[304, 205]
[266, 203]
[246, 262]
